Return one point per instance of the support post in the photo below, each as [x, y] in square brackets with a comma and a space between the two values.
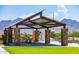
[36, 35]
[33, 36]
[17, 35]
[64, 36]
[4, 41]
[47, 36]
[5, 37]
[9, 30]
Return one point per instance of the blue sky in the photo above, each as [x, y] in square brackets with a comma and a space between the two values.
[11, 12]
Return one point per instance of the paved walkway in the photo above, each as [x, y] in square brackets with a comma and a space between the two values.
[2, 51]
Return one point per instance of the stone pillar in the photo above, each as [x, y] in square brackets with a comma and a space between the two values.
[9, 30]
[33, 36]
[4, 41]
[5, 37]
[36, 35]
[64, 37]
[47, 36]
[17, 34]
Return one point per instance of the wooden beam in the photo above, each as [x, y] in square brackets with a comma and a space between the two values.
[29, 26]
[38, 24]
[40, 14]
[25, 28]
[55, 25]
[16, 26]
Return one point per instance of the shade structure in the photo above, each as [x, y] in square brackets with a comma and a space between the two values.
[38, 21]
[41, 22]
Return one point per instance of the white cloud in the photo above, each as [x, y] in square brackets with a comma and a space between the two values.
[76, 18]
[60, 13]
[8, 17]
[62, 8]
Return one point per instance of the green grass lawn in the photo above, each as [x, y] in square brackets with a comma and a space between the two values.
[41, 50]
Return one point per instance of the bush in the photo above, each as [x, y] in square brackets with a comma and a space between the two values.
[74, 34]
[25, 36]
[56, 36]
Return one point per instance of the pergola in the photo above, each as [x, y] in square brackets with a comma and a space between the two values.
[35, 21]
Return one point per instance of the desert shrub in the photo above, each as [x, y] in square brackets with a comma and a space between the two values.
[74, 34]
[56, 36]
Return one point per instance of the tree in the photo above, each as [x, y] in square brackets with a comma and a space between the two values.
[25, 36]
[56, 36]
[74, 34]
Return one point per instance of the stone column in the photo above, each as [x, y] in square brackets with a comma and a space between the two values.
[36, 35]
[17, 34]
[47, 36]
[4, 37]
[33, 36]
[9, 30]
[4, 41]
[64, 37]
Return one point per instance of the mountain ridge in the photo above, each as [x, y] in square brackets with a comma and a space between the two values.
[5, 23]
[73, 24]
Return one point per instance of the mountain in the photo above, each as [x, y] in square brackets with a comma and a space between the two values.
[73, 25]
[6, 23]
[18, 19]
